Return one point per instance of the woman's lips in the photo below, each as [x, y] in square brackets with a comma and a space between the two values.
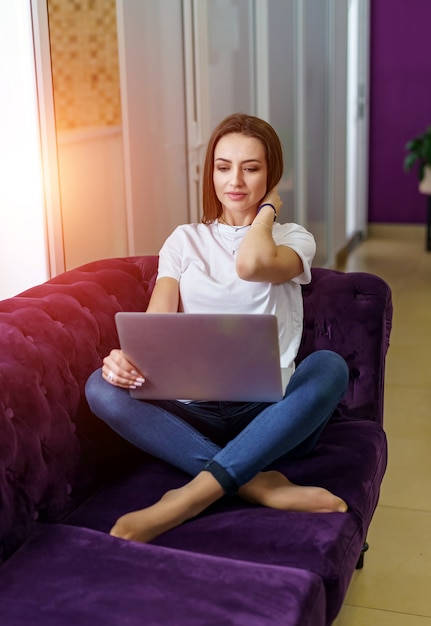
[236, 196]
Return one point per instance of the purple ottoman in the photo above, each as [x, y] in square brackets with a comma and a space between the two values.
[67, 576]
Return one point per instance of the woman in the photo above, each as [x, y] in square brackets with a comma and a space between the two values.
[237, 260]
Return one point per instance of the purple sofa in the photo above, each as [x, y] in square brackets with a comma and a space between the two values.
[65, 476]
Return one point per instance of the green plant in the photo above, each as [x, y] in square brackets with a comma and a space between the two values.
[419, 151]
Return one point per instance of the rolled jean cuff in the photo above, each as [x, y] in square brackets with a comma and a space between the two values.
[222, 476]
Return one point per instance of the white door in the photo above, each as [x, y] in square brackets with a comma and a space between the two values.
[314, 168]
[150, 40]
[271, 59]
[357, 118]
[219, 48]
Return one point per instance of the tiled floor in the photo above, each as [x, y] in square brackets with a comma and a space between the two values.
[394, 587]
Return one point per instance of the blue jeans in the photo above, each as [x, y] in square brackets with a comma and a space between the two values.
[232, 440]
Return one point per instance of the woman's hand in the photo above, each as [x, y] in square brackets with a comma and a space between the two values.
[259, 258]
[272, 197]
[118, 371]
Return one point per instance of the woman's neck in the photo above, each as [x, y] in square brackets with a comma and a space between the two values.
[235, 222]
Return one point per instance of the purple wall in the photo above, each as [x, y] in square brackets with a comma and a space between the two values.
[400, 105]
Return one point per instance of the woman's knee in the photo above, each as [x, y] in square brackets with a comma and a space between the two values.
[102, 397]
[331, 365]
[92, 387]
[334, 361]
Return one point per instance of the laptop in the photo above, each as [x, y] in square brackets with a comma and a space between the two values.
[230, 357]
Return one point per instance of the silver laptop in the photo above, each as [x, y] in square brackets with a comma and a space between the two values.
[203, 356]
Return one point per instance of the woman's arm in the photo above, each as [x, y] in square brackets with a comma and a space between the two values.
[116, 368]
[259, 259]
[165, 297]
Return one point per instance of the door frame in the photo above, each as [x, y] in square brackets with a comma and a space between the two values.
[48, 137]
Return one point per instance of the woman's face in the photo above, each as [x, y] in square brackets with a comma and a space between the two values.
[240, 176]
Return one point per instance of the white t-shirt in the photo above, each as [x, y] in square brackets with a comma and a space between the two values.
[202, 259]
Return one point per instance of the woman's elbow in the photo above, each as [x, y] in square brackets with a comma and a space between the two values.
[248, 269]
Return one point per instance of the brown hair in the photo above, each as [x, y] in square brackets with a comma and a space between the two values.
[251, 127]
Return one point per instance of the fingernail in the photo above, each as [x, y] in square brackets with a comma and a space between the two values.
[140, 381]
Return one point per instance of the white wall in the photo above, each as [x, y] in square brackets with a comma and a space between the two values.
[23, 246]
[93, 203]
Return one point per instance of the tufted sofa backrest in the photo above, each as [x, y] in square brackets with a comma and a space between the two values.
[351, 313]
[53, 451]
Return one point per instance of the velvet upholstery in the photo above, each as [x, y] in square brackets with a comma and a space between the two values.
[65, 477]
[146, 585]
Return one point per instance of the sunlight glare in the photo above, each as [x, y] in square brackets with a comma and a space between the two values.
[22, 218]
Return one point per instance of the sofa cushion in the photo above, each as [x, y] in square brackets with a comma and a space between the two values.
[79, 576]
[350, 460]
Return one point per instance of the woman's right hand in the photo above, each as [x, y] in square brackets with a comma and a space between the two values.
[118, 371]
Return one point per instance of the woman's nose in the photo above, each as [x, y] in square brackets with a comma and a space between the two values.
[236, 178]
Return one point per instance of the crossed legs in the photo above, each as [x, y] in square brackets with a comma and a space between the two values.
[291, 426]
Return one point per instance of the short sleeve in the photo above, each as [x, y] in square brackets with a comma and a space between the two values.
[170, 257]
[302, 242]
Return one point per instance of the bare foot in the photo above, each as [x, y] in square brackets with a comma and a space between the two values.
[174, 508]
[274, 490]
